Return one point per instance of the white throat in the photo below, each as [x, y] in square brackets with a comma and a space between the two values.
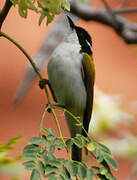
[72, 37]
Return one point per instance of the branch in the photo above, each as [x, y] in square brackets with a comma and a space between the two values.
[5, 11]
[126, 29]
[125, 10]
[115, 23]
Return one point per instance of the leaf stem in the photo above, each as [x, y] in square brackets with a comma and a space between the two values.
[28, 57]
[60, 133]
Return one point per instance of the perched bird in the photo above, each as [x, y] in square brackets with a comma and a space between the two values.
[71, 76]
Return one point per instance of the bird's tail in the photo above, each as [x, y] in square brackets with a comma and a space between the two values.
[76, 153]
[74, 129]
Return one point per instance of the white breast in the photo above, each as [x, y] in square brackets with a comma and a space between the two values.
[65, 76]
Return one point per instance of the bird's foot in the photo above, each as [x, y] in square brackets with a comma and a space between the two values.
[43, 82]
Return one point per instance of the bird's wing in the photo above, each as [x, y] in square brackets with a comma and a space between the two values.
[89, 77]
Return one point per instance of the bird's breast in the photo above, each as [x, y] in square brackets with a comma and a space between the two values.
[65, 76]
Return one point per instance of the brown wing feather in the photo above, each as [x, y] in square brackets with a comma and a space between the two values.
[89, 77]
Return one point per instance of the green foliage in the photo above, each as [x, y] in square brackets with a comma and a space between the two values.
[46, 8]
[41, 160]
[9, 165]
[9, 145]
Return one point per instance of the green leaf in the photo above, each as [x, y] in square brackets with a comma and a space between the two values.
[48, 144]
[104, 148]
[66, 5]
[110, 176]
[95, 168]
[30, 152]
[30, 156]
[82, 171]
[44, 129]
[61, 177]
[14, 140]
[73, 168]
[53, 177]
[57, 142]
[85, 160]
[103, 170]
[41, 167]
[102, 177]
[36, 140]
[32, 148]
[29, 165]
[77, 142]
[50, 137]
[50, 175]
[84, 140]
[51, 169]
[65, 173]
[90, 174]
[98, 155]
[51, 156]
[52, 149]
[69, 143]
[85, 150]
[55, 163]
[60, 146]
[35, 175]
[23, 9]
[14, 2]
[110, 161]
[50, 18]
[51, 131]
[91, 146]
[30, 5]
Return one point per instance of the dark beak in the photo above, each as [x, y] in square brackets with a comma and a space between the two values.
[72, 25]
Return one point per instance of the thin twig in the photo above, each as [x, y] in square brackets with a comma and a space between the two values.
[105, 4]
[4, 11]
[125, 10]
[28, 57]
[112, 15]
[60, 133]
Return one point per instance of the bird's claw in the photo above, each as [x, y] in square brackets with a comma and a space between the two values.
[42, 83]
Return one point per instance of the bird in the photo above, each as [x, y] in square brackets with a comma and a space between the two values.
[71, 75]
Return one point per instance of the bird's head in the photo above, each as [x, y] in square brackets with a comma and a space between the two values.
[83, 37]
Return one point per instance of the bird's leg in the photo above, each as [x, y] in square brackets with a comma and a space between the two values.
[43, 82]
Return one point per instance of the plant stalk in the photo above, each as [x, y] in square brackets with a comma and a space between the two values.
[28, 57]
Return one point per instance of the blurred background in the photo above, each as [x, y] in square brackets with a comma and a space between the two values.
[116, 78]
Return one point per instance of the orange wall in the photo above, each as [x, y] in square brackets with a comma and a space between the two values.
[116, 72]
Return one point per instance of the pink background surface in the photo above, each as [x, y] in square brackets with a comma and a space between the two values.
[116, 73]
